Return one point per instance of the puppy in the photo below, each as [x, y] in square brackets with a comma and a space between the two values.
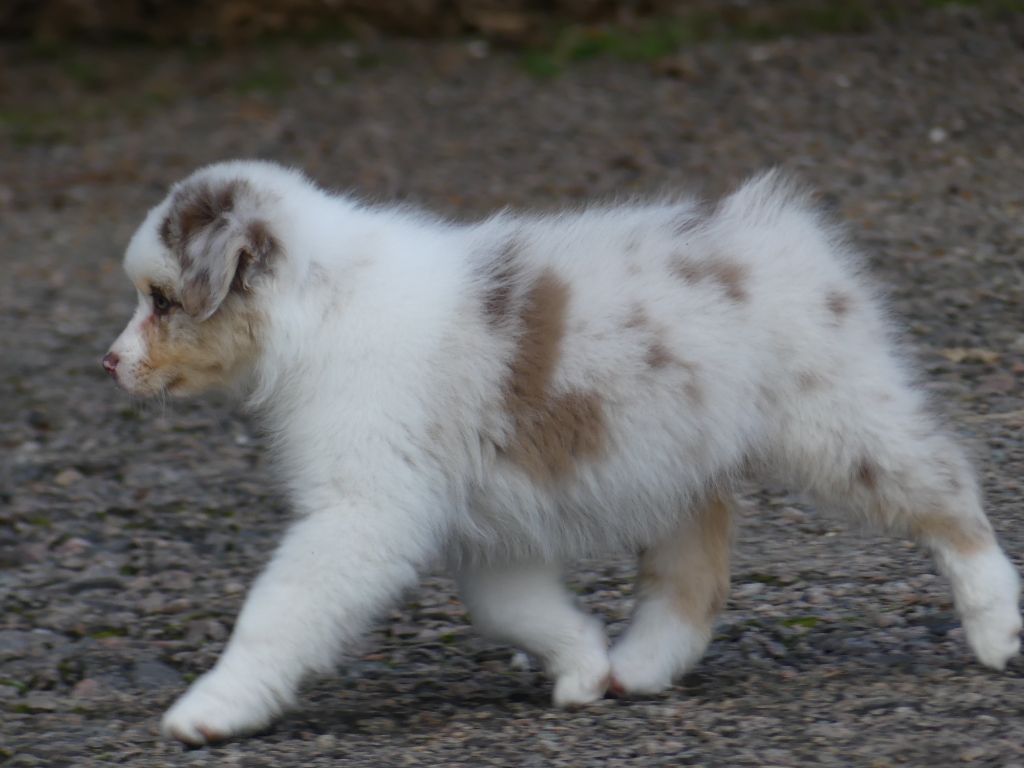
[512, 394]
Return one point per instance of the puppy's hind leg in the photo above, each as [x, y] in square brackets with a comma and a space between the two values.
[883, 461]
[682, 585]
[526, 604]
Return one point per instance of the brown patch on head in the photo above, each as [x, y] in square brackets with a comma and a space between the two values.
[965, 537]
[195, 206]
[183, 356]
[550, 432]
[729, 275]
[867, 473]
[692, 568]
[203, 204]
[217, 253]
[839, 304]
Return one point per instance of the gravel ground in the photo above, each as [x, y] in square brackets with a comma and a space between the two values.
[129, 532]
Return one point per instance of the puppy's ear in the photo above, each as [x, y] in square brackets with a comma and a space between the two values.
[215, 231]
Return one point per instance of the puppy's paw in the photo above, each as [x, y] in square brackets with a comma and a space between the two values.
[655, 651]
[581, 677]
[994, 635]
[988, 589]
[636, 673]
[216, 708]
[582, 685]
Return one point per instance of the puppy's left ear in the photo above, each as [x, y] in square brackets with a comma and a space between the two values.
[221, 243]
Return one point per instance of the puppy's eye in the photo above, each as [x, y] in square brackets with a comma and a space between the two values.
[161, 304]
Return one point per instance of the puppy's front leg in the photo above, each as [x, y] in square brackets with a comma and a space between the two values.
[335, 570]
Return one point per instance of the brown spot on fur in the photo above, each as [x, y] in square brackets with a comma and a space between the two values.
[867, 474]
[501, 283]
[692, 568]
[808, 381]
[260, 239]
[838, 304]
[165, 233]
[201, 204]
[213, 260]
[966, 537]
[694, 393]
[551, 432]
[729, 275]
[637, 317]
[658, 355]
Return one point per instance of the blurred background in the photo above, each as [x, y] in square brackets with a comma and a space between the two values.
[129, 531]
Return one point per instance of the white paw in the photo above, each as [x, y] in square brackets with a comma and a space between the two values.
[581, 675]
[634, 672]
[987, 588]
[216, 708]
[994, 635]
[656, 649]
[583, 685]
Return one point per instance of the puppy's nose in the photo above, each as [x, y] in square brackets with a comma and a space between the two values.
[110, 361]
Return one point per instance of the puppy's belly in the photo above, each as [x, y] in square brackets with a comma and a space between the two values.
[620, 503]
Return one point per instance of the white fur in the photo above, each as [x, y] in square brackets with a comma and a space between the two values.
[382, 385]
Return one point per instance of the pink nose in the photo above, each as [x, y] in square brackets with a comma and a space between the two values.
[110, 361]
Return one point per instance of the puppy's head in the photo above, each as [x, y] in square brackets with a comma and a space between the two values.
[198, 262]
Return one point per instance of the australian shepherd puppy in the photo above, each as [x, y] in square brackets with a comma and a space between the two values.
[511, 394]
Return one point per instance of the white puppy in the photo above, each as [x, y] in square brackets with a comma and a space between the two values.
[526, 390]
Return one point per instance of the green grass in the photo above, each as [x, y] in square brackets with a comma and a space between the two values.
[801, 621]
[654, 39]
[20, 686]
[108, 632]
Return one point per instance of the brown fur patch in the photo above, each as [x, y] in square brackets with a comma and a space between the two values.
[695, 574]
[202, 204]
[501, 283]
[183, 356]
[730, 275]
[839, 304]
[658, 355]
[551, 432]
[962, 536]
[867, 474]
[637, 317]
